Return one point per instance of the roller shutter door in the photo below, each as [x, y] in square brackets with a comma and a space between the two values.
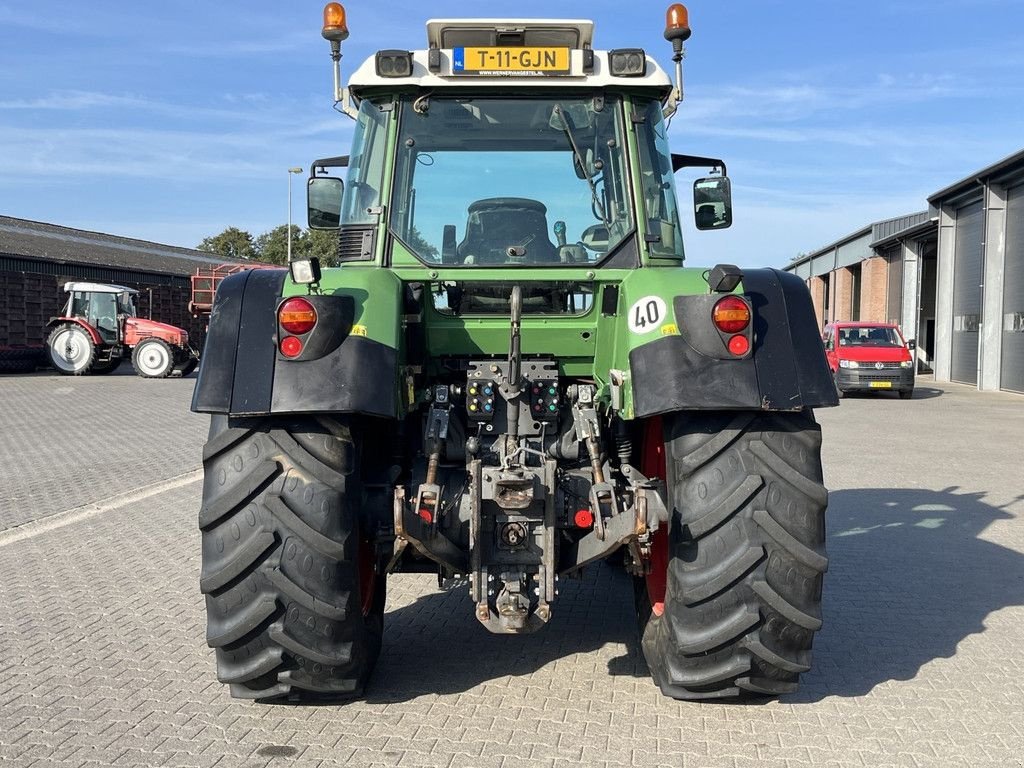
[967, 273]
[1011, 374]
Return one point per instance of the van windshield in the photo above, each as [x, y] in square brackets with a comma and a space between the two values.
[869, 336]
[509, 182]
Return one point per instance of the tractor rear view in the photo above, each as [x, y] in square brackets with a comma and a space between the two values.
[511, 377]
[100, 327]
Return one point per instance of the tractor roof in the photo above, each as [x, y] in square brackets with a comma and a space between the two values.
[447, 39]
[97, 288]
[451, 33]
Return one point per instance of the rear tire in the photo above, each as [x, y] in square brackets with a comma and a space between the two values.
[71, 350]
[153, 359]
[107, 366]
[294, 607]
[746, 555]
[188, 366]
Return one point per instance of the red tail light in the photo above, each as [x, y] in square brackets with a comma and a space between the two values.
[297, 316]
[731, 314]
[291, 346]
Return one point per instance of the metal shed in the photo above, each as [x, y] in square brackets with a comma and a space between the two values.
[980, 303]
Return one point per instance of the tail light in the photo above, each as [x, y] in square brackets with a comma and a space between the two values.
[297, 316]
[291, 346]
[731, 314]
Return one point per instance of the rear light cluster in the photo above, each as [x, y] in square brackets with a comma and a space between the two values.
[731, 315]
[297, 317]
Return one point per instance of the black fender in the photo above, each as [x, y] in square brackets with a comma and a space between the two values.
[242, 373]
[786, 369]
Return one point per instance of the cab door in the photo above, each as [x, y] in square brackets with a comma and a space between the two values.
[102, 315]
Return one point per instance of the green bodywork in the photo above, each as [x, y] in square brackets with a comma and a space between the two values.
[587, 346]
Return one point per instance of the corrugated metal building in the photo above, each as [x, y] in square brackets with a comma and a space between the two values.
[36, 259]
[951, 276]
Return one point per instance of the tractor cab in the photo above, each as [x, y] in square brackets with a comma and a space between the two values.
[101, 306]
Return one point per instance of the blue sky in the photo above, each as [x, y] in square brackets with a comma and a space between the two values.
[170, 121]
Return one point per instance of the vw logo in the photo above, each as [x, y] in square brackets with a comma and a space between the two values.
[879, 366]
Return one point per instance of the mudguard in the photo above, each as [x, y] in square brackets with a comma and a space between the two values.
[342, 370]
[786, 370]
[93, 334]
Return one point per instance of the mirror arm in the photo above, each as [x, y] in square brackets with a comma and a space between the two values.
[695, 161]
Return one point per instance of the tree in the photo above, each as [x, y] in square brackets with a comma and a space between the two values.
[419, 244]
[272, 246]
[233, 244]
[323, 244]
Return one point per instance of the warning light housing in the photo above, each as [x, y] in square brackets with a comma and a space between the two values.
[677, 23]
[335, 28]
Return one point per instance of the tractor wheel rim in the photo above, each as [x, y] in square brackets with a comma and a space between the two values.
[71, 353]
[153, 359]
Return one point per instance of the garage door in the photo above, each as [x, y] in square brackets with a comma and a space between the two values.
[967, 272]
[1011, 375]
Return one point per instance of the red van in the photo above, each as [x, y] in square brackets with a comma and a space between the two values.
[869, 357]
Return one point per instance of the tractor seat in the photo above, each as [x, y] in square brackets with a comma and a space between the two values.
[498, 223]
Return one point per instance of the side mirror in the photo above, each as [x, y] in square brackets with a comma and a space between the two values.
[911, 344]
[324, 195]
[712, 203]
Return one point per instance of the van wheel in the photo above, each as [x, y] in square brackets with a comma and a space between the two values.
[835, 380]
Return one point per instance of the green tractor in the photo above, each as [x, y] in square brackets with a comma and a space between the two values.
[512, 376]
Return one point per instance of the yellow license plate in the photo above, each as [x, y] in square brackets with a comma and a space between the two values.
[510, 61]
[881, 384]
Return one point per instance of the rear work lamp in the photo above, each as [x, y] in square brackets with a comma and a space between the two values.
[627, 62]
[394, 64]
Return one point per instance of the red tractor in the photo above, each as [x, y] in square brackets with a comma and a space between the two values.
[99, 328]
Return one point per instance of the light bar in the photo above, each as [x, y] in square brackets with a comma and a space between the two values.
[394, 64]
[627, 62]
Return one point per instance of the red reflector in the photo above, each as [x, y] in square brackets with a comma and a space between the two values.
[291, 346]
[584, 519]
[297, 316]
[426, 515]
[739, 345]
[731, 314]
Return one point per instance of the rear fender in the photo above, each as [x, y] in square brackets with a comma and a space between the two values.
[349, 362]
[93, 333]
[785, 370]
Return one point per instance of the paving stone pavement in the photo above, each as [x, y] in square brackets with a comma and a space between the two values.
[67, 441]
[920, 661]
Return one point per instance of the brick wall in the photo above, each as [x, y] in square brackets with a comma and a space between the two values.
[874, 289]
[816, 285]
[842, 294]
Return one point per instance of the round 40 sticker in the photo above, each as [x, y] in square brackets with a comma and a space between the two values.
[647, 314]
